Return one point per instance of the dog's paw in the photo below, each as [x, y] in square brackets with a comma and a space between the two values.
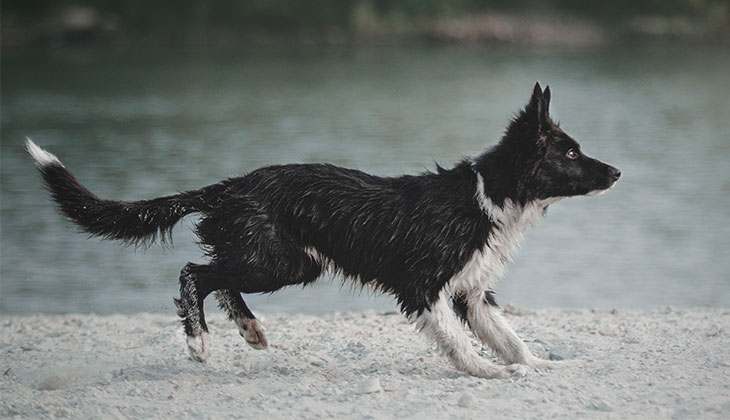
[489, 370]
[199, 347]
[516, 370]
[496, 371]
[253, 333]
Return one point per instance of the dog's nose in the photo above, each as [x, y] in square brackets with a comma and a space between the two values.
[615, 173]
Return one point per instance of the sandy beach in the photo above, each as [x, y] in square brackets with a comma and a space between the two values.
[665, 363]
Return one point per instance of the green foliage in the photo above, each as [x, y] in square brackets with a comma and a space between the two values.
[291, 16]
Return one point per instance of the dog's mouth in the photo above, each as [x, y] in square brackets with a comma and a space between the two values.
[600, 191]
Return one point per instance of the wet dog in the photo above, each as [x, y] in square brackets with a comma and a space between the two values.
[436, 241]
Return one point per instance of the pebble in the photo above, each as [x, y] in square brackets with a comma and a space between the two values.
[512, 309]
[599, 405]
[369, 386]
[562, 353]
[556, 355]
[62, 413]
[467, 400]
[712, 331]
[608, 331]
[631, 340]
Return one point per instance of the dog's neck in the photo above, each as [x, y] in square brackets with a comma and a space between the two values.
[498, 179]
[500, 193]
[510, 214]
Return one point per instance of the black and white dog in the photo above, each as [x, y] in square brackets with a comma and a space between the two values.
[436, 241]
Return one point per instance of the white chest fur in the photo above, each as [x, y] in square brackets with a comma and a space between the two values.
[509, 224]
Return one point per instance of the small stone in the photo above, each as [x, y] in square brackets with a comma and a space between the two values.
[555, 356]
[512, 309]
[561, 353]
[712, 331]
[614, 311]
[608, 331]
[62, 413]
[599, 405]
[369, 386]
[467, 400]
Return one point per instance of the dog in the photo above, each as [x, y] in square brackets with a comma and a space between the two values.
[437, 241]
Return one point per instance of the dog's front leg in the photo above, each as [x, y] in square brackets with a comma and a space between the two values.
[487, 322]
[441, 324]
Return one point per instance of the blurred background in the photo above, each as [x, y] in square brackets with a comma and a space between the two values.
[142, 99]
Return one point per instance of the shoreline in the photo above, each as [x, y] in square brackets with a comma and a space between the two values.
[666, 363]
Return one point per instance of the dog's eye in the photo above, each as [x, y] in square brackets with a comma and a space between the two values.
[572, 154]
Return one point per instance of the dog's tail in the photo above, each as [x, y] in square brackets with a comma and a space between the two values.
[137, 222]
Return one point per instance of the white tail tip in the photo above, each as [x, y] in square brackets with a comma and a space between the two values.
[40, 156]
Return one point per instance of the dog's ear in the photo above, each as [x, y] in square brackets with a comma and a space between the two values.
[536, 96]
[539, 107]
[534, 118]
[546, 99]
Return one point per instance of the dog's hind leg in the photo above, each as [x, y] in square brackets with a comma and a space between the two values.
[440, 323]
[485, 319]
[196, 282]
[248, 326]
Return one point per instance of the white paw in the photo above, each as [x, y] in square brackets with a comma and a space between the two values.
[488, 370]
[199, 347]
[253, 333]
[516, 370]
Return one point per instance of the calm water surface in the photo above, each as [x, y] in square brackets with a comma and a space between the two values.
[134, 126]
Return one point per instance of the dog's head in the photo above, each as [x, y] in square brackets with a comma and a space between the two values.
[548, 163]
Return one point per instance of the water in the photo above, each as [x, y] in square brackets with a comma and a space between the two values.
[141, 125]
